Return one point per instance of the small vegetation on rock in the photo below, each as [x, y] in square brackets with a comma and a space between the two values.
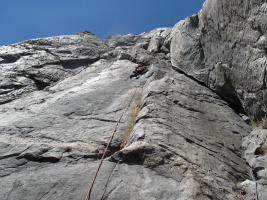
[135, 110]
[259, 125]
[264, 149]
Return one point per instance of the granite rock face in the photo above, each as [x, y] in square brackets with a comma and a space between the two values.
[51, 140]
[61, 97]
[36, 64]
[181, 136]
[225, 47]
[255, 145]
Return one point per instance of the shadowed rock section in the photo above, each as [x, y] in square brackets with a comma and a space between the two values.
[224, 46]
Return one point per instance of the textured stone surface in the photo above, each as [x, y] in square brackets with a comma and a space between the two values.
[256, 157]
[60, 98]
[50, 140]
[36, 64]
[185, 134]
[224, 46]
[53, 131]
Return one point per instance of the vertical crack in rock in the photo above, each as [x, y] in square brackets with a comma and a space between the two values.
[162, 149]
[51, 188]
[108, 180]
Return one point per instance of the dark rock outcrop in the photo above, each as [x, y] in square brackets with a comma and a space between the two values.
[62, 96]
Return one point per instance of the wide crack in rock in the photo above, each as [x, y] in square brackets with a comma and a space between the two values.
[184, 133]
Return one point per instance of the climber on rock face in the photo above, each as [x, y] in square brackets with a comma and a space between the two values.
[140, 69]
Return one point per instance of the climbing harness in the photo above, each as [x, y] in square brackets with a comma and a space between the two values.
[108, 145]
[139, 71]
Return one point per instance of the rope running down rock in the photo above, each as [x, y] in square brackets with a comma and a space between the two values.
[108, 145]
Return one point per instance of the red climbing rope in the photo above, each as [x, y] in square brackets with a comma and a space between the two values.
[106, 149]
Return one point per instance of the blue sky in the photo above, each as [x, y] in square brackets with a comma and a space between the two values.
[29, 19]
